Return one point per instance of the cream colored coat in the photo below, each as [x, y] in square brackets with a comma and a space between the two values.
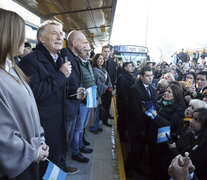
[20, 127]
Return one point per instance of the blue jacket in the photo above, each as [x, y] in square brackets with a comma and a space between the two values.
[48, 86]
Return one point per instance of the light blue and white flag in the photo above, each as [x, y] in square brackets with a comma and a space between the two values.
[91, 97]
[161, 137]
[53, 172]
[149, 112]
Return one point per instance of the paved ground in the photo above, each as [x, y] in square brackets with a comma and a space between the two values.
[103, 164]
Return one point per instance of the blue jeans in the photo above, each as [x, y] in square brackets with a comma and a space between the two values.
[81, 123]
[96, 119]
[70, 127]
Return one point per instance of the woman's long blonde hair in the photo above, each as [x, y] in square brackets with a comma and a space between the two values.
[12, 30]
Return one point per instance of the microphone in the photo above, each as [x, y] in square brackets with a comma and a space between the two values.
[64, 54]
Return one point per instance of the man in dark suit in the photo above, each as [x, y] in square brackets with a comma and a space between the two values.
[181, 55]
[111, 65]
[203, 54]
[140, 94]
[124, 81]
[196, 56]
[111, 70]
[76, 45]
[201, 80]
[48, 77]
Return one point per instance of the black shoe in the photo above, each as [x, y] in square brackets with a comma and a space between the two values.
[70, 170]
[94, 131]
[100, 129]
[80, 158]
[86, 142]
[86, 150]
[107, 124]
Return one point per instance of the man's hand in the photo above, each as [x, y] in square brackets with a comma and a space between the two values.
[43, 152]
[171, 145]
[81, 93]
[154, 113]
[66, 69]
[180, 168]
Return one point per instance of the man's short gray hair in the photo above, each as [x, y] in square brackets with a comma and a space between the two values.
[42, 27]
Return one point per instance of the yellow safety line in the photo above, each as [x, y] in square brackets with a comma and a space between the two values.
[120, 156]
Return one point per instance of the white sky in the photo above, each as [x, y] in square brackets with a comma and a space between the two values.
[172, 25]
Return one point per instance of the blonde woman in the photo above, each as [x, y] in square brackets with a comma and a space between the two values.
[22, 143]
[193, 105]
[169, 77]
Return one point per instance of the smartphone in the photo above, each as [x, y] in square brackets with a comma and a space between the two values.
[189, 82]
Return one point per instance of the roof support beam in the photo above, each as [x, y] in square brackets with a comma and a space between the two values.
[82, 10]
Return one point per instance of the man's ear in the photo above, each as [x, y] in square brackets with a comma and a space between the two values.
[75, 43]
[42, 39]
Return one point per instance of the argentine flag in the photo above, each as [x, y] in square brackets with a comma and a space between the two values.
[161, 137]
[54, 173]
[91, 97]
[149, 112]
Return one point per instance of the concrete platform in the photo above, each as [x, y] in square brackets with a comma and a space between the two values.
[103, 164]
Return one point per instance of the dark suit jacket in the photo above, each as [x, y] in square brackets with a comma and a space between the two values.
[137, 93]
[124, 81]
[72, 104]
[48, 85]
[111, 69]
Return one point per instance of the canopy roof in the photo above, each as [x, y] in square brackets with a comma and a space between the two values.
[93, 17]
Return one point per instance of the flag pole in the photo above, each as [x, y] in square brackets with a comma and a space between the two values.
[76, 93]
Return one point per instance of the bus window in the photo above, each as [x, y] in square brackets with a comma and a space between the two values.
[130, 53]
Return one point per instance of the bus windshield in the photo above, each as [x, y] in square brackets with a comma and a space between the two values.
[130, 53]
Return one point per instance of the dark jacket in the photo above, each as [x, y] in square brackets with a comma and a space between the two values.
[181, 56]
[197, 148]
[137, 95]
[124, 81]
[111, 69]
[169, 115]
[203, 55]
[72, 104]
[48, 85]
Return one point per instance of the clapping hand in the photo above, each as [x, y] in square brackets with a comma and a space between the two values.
[180, 167]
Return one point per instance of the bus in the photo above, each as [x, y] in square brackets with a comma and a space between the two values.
[128, 53]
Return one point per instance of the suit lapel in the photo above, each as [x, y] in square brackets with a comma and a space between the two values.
[75, 65]
[74, 61]
[144, 89]
[45, 57]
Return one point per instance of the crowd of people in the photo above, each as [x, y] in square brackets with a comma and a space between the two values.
[44, 112]
[163, 95]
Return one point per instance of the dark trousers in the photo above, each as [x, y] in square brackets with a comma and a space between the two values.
[31, 173]
[135, 153]
[160, 158]
[122, 121]
[106, 102]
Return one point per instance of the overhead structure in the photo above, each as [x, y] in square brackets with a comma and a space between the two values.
[93, 17]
